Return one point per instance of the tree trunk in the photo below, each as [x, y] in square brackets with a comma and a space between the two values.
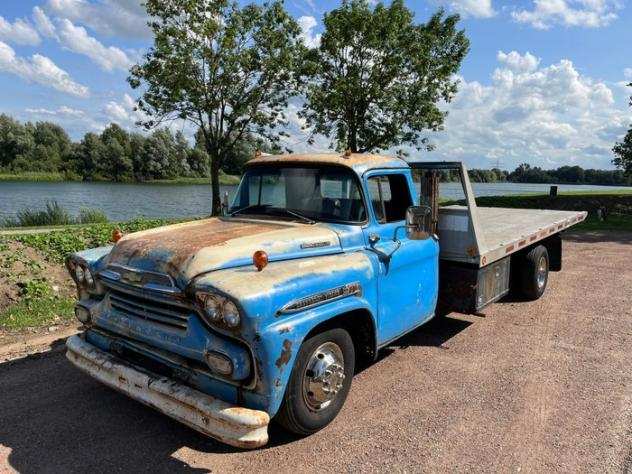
[217, 201]
[352, 140]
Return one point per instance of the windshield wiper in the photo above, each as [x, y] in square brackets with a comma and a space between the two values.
[246, 208]
[295, 214]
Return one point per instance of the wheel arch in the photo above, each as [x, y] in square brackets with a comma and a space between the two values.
[360, 324]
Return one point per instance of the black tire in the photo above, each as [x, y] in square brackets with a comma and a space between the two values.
[533, 273]
[296, 414]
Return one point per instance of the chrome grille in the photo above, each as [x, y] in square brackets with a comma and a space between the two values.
[166, 314]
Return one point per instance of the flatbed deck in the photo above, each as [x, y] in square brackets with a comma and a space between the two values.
[501, 231]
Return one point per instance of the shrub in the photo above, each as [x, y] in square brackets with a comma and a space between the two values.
[54, 214]
[91, 216]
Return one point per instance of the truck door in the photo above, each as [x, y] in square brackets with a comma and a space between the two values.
[408, 280]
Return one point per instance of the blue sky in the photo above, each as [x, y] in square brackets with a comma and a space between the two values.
[544, 81]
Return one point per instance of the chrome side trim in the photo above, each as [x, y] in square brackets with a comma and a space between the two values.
[317, 299]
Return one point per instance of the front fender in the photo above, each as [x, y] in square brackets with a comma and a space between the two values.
[94, 258]
[276, 337]
[281, 341]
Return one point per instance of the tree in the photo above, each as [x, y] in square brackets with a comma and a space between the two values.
[623, 152]
[229, 70]
[377, 76]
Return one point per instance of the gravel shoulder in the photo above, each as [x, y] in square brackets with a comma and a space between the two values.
[530, 387]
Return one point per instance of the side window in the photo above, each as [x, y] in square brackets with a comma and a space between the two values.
[390, 197]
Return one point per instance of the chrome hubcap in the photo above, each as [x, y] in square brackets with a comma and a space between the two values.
[542, 268]
[324, 376]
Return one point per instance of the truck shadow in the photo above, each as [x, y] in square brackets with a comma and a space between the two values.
[433, 334]
[54, 418]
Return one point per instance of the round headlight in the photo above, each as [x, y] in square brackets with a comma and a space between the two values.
[213, 308]
[80, 274]
[230, 314]
[89, 279]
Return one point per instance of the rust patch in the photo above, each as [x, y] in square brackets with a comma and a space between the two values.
[182, 241]
[354, 159]
[286, 353]
[284, 330]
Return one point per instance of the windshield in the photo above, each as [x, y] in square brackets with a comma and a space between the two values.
[327, 193]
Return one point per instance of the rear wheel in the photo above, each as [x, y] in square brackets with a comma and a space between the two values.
[533, 273]
[320, 382]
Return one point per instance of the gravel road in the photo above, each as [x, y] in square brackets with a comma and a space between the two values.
[530, 387]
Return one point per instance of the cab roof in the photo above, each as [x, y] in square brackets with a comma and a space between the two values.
[358, 162]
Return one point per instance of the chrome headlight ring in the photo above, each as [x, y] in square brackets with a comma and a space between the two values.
[219, 310]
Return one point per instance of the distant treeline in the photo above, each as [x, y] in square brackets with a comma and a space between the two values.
[569, 175]
[112, 155]
[563, 175]
[118, 155]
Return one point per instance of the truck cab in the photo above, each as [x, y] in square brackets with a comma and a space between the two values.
[266, 312]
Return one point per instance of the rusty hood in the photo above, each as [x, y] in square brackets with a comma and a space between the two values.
[187, 250]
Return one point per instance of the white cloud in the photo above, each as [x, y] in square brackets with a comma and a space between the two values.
[470, 8]
[582, 13]
[76, 39]
[545, 115]
[41, 70]
[62, 111]
[517, 62]
[307, 24]
[124, 112]
[43, 23]
[121, 18]
[627, 73]
[18, 32]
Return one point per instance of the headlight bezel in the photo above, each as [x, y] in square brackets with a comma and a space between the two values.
[85, 278]
[219, 319]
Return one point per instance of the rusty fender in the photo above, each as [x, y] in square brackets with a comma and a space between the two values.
[230, 424]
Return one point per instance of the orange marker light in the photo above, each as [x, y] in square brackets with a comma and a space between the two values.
[260, 259]
[117, 235]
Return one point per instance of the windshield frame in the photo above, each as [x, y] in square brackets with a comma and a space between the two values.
[354, 176]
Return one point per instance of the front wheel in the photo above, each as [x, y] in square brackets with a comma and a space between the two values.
[320, 382]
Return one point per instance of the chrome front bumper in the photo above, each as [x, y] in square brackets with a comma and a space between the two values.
[230, 424]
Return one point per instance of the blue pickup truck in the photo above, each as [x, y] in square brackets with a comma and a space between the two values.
[321, 260]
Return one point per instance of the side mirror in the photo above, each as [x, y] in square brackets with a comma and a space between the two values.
[418, 222]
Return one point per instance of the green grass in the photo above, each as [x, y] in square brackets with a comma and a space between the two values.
[54, 215]
[33, 176]
[37, 312]
[224, 180]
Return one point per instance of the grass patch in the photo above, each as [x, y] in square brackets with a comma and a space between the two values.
[34, 177]
[37, 312]
[224, 180]
[54, 215]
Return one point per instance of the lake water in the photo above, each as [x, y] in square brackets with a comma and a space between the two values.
[126, 201]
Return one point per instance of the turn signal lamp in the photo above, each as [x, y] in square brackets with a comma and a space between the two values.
[260, 259]
[117, 235]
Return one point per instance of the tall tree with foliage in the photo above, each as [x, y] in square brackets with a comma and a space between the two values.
[377, 77]
[623, 150]
[227, 69]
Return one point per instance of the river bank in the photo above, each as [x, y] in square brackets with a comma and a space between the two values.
[224, 179]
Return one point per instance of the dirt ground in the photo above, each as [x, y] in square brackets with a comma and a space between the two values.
[529, 387]
[18, 265]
